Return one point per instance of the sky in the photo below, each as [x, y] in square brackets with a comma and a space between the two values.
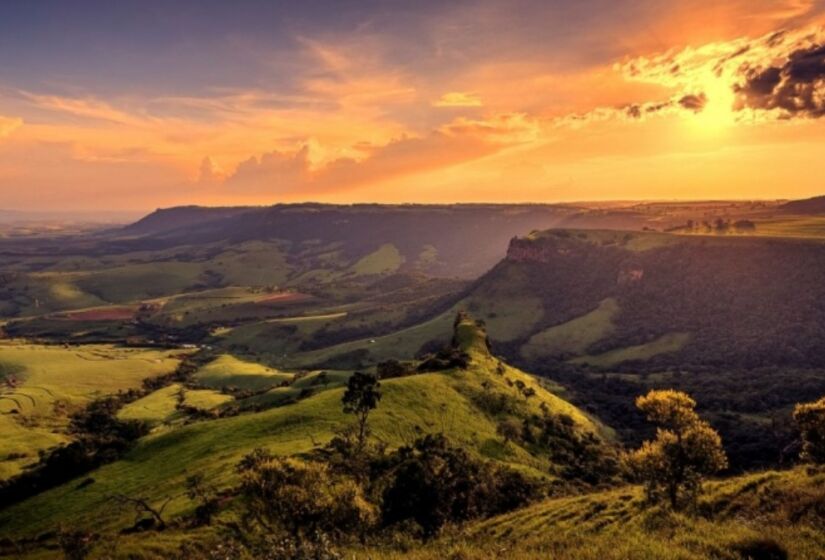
[114, 106]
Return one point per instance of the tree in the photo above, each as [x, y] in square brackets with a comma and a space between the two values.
[361, 397]
[685, 449]
[810, 418]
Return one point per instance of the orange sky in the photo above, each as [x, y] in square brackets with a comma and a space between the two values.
[485, 101]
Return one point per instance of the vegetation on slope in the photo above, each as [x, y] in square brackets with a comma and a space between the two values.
[453, 401]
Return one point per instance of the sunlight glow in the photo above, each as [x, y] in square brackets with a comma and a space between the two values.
[717, 116]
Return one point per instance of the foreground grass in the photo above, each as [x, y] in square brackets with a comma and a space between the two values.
[758, 516]
[753, 516]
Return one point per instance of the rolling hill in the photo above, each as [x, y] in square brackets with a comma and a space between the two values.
[815, 205]
[455, 401]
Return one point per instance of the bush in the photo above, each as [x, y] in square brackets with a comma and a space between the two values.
[811, 421]
[433, 484]
[302, 498]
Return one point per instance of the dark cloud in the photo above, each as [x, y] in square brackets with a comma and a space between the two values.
[796, 87]
[690, 102]
[634, 111]
[693, 102]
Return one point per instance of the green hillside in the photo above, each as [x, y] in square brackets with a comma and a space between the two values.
[449, 401]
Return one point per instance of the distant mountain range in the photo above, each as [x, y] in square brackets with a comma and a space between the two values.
[448, 240]
[85, 216]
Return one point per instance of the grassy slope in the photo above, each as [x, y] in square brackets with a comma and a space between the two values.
[159, 465]
[574, 336]
[227, 370]
[155, 408]
[812, 227]
[672, 342]
[81, 282]
[57, 380]
[385, 259]
[614, 525]
[205, 399]
[402, 344]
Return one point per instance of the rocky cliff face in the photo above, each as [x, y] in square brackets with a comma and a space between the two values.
[571, 250]
[530, 250]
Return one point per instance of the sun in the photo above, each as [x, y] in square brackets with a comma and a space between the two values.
[717, 116]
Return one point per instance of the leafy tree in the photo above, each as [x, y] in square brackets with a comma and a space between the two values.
[810, 418]
[302, 498]
[361, 397]
[685, 450]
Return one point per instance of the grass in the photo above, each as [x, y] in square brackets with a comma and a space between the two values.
[402, 344]
[205, 399]
[155, 408]
[60, 284]
[575, 336]
[615, 525]
[158, 466]
[228, 371]
[57, 380]
[672, 342]
[792, 226]
[140, 281]
[731, 522]
[385, 259]
[632, 241]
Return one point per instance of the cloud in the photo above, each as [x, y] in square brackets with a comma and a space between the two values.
[273, 172]
[778, 75]
[794, 88]
[88, 108]
[694, 102]
[9, 125]
[209, 172]
[458, 99]
[460, 141]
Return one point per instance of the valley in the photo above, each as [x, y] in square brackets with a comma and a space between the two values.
[522, 335]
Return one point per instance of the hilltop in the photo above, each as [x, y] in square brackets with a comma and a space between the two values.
[815, 205]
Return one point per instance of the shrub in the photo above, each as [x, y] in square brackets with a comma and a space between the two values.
[302, 498]
[811, 421]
